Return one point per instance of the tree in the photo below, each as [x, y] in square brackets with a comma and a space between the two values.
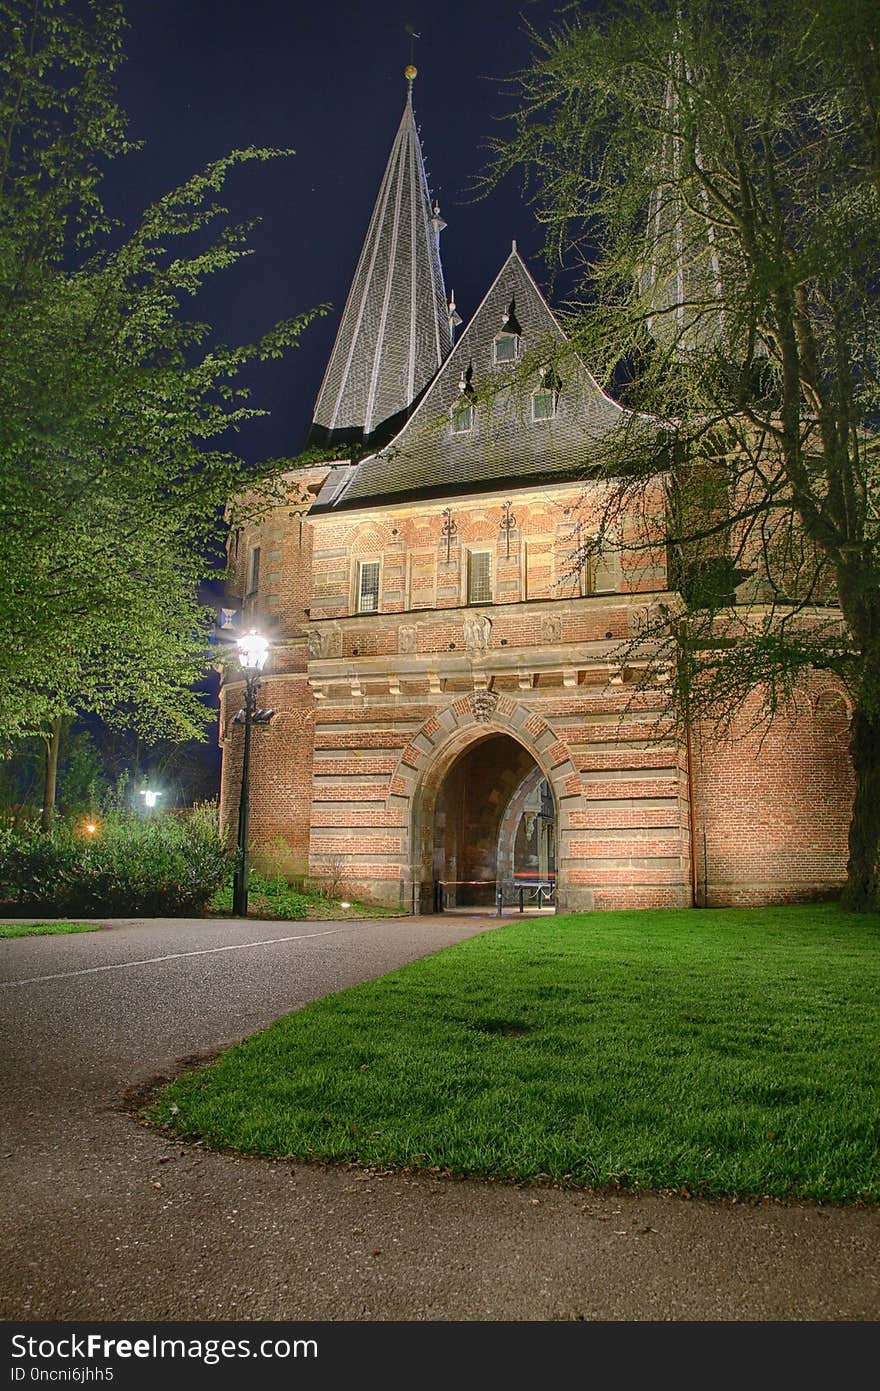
[115, 410]
[710, 173]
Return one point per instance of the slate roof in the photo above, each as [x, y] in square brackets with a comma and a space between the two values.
[506, 446]
[395, 331]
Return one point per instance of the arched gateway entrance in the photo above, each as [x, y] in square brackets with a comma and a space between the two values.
[476, 772]
[494, 824]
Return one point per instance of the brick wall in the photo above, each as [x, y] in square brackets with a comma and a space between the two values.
[379, 715]
[773, 808]
[281, 753]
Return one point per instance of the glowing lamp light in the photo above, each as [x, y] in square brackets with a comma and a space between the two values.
[90, 828]
[150, 797]
[343, 904]
[253, 649]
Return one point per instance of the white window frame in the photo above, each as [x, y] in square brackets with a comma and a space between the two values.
[253, 571]
[585, 576]
[609, 563]
[505, 337]
[488, 598]
[458, 411]
[551, 394]
[359, 582]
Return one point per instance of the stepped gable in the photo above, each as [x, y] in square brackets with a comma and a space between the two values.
[506, 446]
[395, 328]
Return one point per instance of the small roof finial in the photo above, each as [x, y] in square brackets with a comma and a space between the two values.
[410, 72]
[453, 314]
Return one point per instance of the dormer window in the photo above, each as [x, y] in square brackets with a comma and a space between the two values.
[506, 347]
[543, 404]
[463, 416]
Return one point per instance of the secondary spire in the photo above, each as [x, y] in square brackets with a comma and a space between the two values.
[680, 282]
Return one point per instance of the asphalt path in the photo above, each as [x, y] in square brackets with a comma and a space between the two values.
[101, 1218]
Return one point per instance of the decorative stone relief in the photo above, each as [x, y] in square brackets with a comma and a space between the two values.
[406, 638]
[484, 703]
[476, 630]
[648, 619]
[551, 627]
[325, 642]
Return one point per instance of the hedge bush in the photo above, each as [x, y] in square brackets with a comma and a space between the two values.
[157, 865]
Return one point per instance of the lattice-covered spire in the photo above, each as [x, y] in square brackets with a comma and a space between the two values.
[395, 331]
[682, 279]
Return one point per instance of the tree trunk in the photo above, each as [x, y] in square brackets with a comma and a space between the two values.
[53, 747]
[862, 891]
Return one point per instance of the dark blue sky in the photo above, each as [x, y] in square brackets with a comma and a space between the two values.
[327, 80]
[203, 77]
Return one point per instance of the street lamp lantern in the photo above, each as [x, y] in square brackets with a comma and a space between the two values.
[253, 649]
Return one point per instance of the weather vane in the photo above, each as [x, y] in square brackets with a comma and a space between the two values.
[411, 72]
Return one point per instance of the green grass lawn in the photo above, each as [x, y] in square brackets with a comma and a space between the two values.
[727, 1051]
[44, 929]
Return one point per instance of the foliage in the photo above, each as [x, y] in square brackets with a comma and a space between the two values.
[711, 171]
[82, 778]
[101, 769]
[277, 859]
[730, 1051]
[273, 895]
[268, 896]
[169, 864]
[115, 408]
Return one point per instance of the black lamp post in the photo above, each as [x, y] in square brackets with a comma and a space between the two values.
[252, 652]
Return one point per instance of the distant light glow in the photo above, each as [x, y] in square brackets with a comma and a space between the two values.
[150, 796]
[90, 828]
[343, 904]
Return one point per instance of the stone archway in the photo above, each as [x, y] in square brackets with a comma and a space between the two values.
[470, 808]
[433, 751]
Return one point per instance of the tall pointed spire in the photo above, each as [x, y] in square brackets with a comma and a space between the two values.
[681, 281]
[395, 332]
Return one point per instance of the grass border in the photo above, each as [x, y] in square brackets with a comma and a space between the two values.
[9, 930]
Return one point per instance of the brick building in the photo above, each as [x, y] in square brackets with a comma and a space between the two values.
[450, 700]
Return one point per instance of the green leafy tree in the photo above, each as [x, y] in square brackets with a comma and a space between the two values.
[709, 172]
[70, 757]
[116, 410]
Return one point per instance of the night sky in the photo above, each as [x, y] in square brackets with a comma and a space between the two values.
[325, 79]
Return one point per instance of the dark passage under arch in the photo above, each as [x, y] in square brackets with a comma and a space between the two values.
[494, 823]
